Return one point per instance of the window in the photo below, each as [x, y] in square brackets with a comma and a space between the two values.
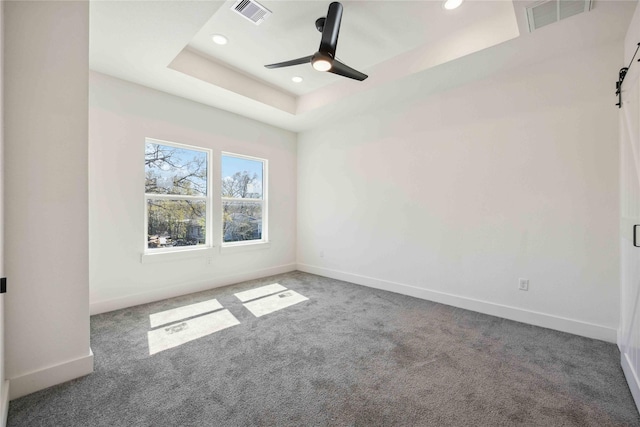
[176, 196]
[244, 198]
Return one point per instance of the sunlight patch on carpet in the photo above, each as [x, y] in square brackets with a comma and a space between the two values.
[260, 292]
[275, 302]
[179, 333]
[184, 312]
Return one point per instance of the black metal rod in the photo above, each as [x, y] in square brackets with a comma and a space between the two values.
[622, 74]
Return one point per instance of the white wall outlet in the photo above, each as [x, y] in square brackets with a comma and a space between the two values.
[523, 284]
[321, 254]
[209, 260]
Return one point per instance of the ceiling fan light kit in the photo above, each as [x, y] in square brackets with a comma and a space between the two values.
[321, 62]
[325, 58]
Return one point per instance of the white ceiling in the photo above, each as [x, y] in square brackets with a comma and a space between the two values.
[166, 45]
[372, 32]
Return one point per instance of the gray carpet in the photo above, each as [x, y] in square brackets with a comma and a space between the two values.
[350, 356]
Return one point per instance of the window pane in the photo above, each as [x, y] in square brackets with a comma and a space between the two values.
[172, 170]
[241, 178]
[176, 223]
[241, 221]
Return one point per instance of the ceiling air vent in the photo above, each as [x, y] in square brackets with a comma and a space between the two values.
[252, 10]
[550, 11]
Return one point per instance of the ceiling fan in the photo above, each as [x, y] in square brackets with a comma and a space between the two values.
[325, 58]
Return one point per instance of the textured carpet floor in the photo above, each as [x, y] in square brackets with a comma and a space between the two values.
[349, 356]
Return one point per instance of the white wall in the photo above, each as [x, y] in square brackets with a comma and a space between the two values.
[455, 197]
[629, 114]
[4, 385]
[46, 229]
[121, 116]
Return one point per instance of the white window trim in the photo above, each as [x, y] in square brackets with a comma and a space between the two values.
[252, 245]
[183, 252]
[232, 247]
[177, 255]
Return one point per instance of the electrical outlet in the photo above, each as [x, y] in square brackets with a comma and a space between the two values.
[321, 254]
[523, 284]
[209, 260]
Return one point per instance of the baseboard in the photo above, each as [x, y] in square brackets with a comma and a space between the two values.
[619, 339]
[184, 289]
[544, 320]
[53, 375]
[4, 402]
[632, 378]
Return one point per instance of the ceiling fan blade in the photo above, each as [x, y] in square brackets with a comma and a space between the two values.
[329, 40]
[305, 60]
[344, 70]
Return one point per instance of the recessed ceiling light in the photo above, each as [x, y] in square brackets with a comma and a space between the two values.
[452, 4]
[297, 79]
[219, 39]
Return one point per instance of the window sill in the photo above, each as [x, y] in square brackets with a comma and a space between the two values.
[177, 255]
[244, 247]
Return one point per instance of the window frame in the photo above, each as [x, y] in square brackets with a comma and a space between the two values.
[264, 241]
[206, 198]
